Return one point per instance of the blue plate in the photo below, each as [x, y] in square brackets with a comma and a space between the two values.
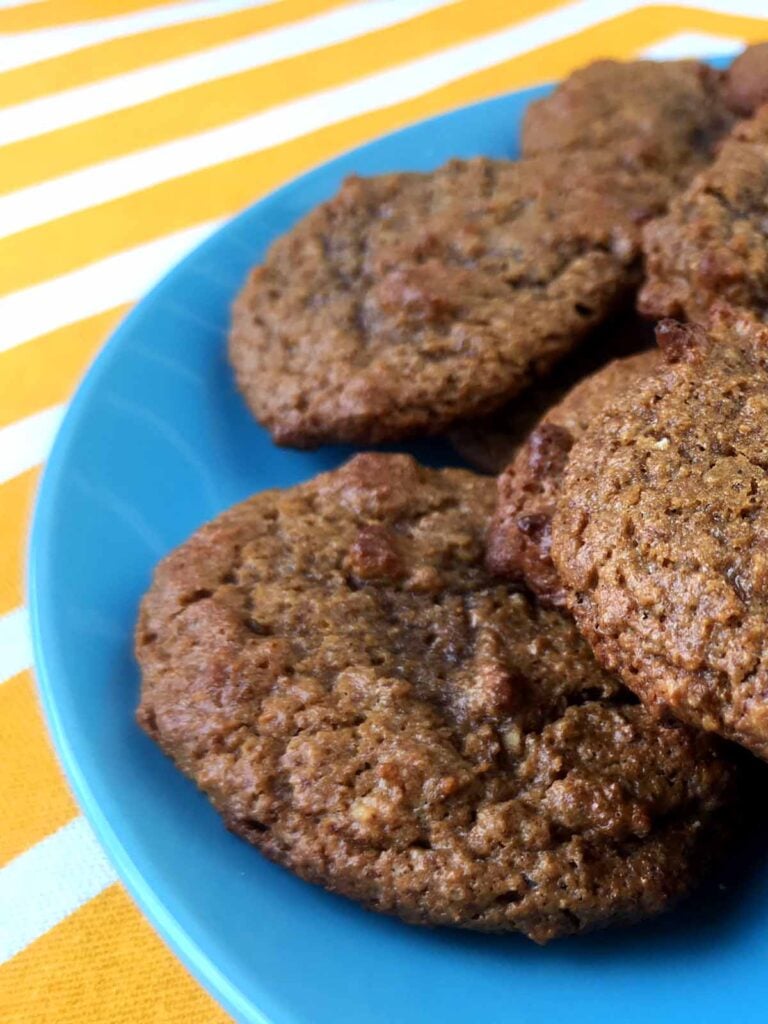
[156, 442]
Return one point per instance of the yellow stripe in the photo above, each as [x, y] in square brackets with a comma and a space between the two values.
[663, 20]
[104, 960]
[214, 103]
[46, 368]
[119, 55]
[45, 371]
[34, 799]
[53, 12]
[62, 245]
[103, 965]
[16, 497]
[624, 36]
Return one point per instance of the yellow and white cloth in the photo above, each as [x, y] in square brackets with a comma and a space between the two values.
[128, 130]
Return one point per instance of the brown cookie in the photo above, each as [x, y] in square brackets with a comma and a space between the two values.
[661, 528]
[745, 86]
[528, 490]
[335, 668]
[411, 300]
[711, 245]
[489, 444]
[665, 116]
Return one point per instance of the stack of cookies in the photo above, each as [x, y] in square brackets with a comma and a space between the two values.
[514, 699]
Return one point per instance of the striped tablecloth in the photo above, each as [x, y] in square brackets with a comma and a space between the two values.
[129, 129]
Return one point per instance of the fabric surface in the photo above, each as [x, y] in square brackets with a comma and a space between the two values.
[129, 129]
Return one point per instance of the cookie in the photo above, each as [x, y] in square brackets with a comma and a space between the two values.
[659, 535]
[745, 86]
[411, 300]
[335, 668]
[491, 443]
[665, 116]
[520, 535]
[711, 245]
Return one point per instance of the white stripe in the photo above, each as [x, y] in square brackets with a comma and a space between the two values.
[20, 48]
[5, 4]
[692, 44]
[97, 98]
[122, 278]
[40, 44]
[121, 176]
[111, 179]
[15, 644]
[48, 882]
[26, 443]
[94, 288]
[736, 8]
[72, 106]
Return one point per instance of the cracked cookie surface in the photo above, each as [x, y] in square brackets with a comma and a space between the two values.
[335, 668]
[529, 488]
[411, 300]
[712, 244]
[661, 530]
[661, 115]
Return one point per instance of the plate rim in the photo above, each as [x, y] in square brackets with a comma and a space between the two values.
[200, 965]
[40, 525]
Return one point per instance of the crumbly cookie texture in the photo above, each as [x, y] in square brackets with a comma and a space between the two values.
[360, 699]
[711, 246]
[660, 530]
[662, 115]
[411, 300]
[529, 488]
[746, 80]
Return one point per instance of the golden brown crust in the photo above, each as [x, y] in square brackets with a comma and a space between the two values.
[666, 116]
[660, 530]
[711, 245]
[411, 300]
[335, 668]
[745, 86]
[528, 490]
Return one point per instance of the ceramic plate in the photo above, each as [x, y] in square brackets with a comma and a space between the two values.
[156, 441]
